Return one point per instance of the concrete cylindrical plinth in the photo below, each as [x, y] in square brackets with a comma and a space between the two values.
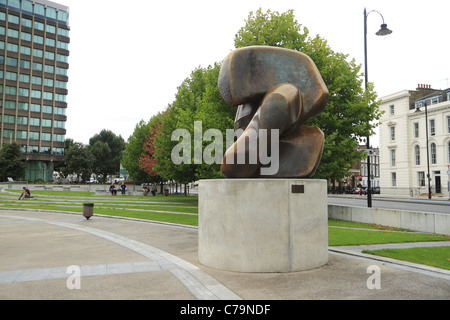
[263, 225]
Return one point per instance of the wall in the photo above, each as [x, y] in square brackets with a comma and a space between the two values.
[438, 223]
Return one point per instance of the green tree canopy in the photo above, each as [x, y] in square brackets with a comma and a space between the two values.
[11, 164]
[133, 151]
[107, 149]
[350, 113]
[79, 160]
[197, 100]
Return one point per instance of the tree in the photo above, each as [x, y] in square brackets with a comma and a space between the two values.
[107, 149]
[197, 100]
[147, 161]
[79, 160]
[350, 113]
[133, 151]
[11, 164]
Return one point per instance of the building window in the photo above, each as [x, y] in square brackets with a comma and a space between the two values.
[38, 53]
[417, 155]
[9, 119]
[393, 157]
[26, 36]
[22, 106]
[21, 135]
[24, 78]
[433, 153]
[46, 136]
[47, 123]
[35, 107]
[392, 109]
[394, 179]
[45, 150]
[12, 47]
[11, 62]
[48, 82]
[49, 69]
[432, 127]
[8, 134]
[25, 50]
[34, 135]
[448, 124]
[11, 76]
[13, 33]
[59, 124]
[392, 133]
[27, 22]
[13, 19]
[33, 149]
[58, 151]
[25, 64]
[36, 94]
[421, 178]
[58, 137]
[10, 104]
[38, 39]
[22, 120]
[47, 109]
[36, 80]
[23, 92]
[37, 66]
[35, 121]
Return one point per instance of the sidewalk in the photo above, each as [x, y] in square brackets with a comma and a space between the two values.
[45, 254]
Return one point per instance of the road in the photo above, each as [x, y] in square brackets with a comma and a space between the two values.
[423, 205]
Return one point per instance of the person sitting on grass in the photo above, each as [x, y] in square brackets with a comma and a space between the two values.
[26, 194]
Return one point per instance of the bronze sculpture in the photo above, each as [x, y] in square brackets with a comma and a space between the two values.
[274, 89]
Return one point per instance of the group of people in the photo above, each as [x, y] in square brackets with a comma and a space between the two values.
[145, 189]
[113, 189]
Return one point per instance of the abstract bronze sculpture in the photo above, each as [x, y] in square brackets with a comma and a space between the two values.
[274, 89]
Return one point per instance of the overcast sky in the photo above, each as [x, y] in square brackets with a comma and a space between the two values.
[127, 58]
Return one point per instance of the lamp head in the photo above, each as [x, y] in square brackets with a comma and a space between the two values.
[384, 31]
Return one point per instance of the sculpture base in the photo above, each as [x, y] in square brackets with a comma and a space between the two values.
[263, 225]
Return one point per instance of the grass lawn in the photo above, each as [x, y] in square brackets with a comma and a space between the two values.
[351, 237]
[438, 257]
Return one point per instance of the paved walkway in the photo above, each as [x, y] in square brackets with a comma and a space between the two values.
[51, 255]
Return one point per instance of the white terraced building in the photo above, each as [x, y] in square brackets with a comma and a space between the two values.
[403, 143]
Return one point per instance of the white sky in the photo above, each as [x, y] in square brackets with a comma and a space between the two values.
[127, 58]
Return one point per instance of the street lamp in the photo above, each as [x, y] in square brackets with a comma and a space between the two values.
[428, 153]
[384, 31]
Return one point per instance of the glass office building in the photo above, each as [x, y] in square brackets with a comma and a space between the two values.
[34, 51]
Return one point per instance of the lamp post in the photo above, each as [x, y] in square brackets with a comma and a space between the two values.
[384, 31]
[428, 152]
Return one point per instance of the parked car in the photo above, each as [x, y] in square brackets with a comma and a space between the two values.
[359, 191]
[375, 190]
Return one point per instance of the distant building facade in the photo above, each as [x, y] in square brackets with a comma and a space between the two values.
[34, 51]
[403, 142]
[357, 174]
